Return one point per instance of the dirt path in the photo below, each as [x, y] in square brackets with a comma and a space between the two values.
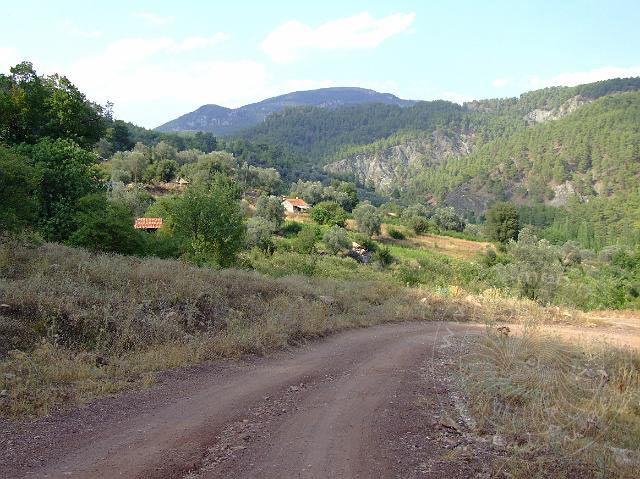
[341, 407]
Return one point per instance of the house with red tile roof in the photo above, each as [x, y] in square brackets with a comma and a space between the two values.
[148, 224]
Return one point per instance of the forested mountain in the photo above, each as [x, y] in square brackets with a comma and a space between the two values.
[318, 135]
[225, 121]
[572, 150]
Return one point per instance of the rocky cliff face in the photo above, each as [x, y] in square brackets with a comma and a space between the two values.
[387, 168]
[541, 115]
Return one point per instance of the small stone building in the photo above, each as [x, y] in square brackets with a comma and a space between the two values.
[295, 205]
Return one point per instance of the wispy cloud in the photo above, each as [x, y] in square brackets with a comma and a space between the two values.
[153, 19]
[588, 76]
[362, 31]
[137, 74]
[74, 30]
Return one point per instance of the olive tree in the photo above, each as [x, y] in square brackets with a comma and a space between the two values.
[259, 232]
[368, 219]
[270, 208]
[336, 239]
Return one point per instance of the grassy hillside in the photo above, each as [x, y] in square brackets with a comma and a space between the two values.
[76, 325]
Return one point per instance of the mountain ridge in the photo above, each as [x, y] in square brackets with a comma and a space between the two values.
[226, 121]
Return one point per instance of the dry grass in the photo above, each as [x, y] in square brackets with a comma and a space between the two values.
[298, 217]
[564, 409]
[454, 247]
[75, 325]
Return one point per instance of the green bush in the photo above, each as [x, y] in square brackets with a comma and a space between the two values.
[489, 257]
[536, 272]
[328, 213]
[163, 246]
[368, 219]
[258, 235]
[210, 222]
[419, 224]
[502, 222]
[18, 182]
[448, 219]
[336, 239]
[106, 227]
[270, 208]
[291, 228]
[305, 241]
[396, 234]
[383, 256]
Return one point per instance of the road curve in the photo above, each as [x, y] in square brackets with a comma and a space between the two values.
[313, 412]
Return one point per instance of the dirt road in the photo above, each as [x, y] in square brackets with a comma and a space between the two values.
[345, 406]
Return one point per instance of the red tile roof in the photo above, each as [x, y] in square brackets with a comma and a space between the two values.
[297, 202]
[148, 223]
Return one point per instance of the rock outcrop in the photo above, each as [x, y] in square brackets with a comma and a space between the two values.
[540, 115]
[389, 168]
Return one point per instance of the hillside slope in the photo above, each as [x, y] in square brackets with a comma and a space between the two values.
[544, 147]
[224, 121]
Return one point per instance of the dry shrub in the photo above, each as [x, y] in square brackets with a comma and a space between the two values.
[565, 410]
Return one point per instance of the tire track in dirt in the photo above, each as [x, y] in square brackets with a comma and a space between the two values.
[320, 410]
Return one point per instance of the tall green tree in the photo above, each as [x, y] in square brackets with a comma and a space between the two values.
[502, 222]
[33, 107]
[328, 213]
[368, 219]
[210, 221]
[67, 172]
[270, 208]
[18, 187]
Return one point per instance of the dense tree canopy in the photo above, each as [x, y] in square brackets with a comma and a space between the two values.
[33, 107]
[18, 186]
[502, 222]
[210, 219]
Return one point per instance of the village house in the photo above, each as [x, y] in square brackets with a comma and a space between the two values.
[148, 224]
[295, 205]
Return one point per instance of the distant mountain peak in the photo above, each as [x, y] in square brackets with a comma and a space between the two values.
[224, 121]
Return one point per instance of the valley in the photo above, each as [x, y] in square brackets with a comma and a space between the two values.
[327, 283]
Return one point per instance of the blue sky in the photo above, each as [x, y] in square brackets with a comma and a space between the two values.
[156, 60]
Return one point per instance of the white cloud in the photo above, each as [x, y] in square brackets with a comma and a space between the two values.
[72, 29]
[361, 31]
[153, 19]
[8, 57]
[127, 52]
[589, 76]
[145, 75]
[501, 82]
